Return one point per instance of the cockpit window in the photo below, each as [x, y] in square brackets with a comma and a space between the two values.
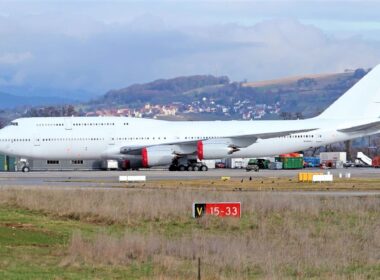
[14, 123]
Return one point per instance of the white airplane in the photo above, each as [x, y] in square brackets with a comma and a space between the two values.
[148, 142]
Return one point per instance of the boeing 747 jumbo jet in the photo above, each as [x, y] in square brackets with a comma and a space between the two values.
[147, 142]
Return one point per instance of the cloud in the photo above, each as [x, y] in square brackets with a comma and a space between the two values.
[15, 58]
[75, 50]
[270, 49]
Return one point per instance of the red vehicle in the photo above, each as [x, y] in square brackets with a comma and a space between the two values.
[291, 155]
[220, 165]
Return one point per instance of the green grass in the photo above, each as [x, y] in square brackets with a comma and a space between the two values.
[33, 245]
[275, 236]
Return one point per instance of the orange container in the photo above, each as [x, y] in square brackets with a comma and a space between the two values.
[376, 162]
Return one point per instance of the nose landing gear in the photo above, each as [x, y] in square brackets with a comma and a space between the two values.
[25, 169]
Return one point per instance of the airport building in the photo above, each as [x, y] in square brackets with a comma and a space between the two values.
[62, 165]
[11, 164]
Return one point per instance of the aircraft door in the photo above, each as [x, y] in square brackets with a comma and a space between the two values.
[111, 140]
[37, 140]
[68, 123]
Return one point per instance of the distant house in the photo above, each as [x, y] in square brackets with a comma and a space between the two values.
[169, 110]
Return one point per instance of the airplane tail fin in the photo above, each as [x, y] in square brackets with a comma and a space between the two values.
[362, 101]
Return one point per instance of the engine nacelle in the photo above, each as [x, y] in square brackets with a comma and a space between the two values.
[214, 150]
[157, 155]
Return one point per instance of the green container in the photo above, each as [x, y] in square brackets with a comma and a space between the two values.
[11, 162]
[266, 164]
[292, 162]
[3, 163]
[7, 163]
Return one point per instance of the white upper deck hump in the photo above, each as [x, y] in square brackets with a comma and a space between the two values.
[362, 101]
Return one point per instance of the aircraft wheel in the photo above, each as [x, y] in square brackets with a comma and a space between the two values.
[204, 168]
[26, 169]
[173, 168]
[181, 168]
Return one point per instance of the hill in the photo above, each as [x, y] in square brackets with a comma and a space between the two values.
[161, 91]
[212, 97]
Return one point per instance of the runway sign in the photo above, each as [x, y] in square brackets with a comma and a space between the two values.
[219, 209]
[132, 178]
[323, 178]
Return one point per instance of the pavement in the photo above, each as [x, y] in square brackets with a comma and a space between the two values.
[109, 179]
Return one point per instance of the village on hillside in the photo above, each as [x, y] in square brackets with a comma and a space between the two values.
[244, 109]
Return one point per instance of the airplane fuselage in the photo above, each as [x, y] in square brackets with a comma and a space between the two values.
[102, 137]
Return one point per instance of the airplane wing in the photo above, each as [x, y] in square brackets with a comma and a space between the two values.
[372, 126]
[235, 141]
[252, 138]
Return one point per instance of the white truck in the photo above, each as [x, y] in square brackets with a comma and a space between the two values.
[110, 164]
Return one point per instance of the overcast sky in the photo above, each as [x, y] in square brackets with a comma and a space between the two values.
[94, 46]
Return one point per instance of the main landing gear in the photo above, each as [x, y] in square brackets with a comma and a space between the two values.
[192, 165]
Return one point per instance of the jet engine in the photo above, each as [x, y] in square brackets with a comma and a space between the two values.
[210, 150]
[157, 155]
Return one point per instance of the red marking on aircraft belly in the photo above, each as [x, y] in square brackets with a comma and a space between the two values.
[200, 150]
[144, 155]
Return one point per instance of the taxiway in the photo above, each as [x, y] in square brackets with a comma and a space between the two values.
[109, 179]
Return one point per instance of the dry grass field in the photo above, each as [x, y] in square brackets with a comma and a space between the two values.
[257, 183]
[264, 184]
[293, 80]
[149, 233]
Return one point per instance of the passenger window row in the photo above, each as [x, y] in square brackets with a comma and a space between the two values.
[71, 139]
[81, 139]
[50, 124]
[199, 138]
[93, 124]
[299, 136]
[77, 124]
[15, 140]
[140, 138]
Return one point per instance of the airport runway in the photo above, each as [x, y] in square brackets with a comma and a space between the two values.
[109, 179]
